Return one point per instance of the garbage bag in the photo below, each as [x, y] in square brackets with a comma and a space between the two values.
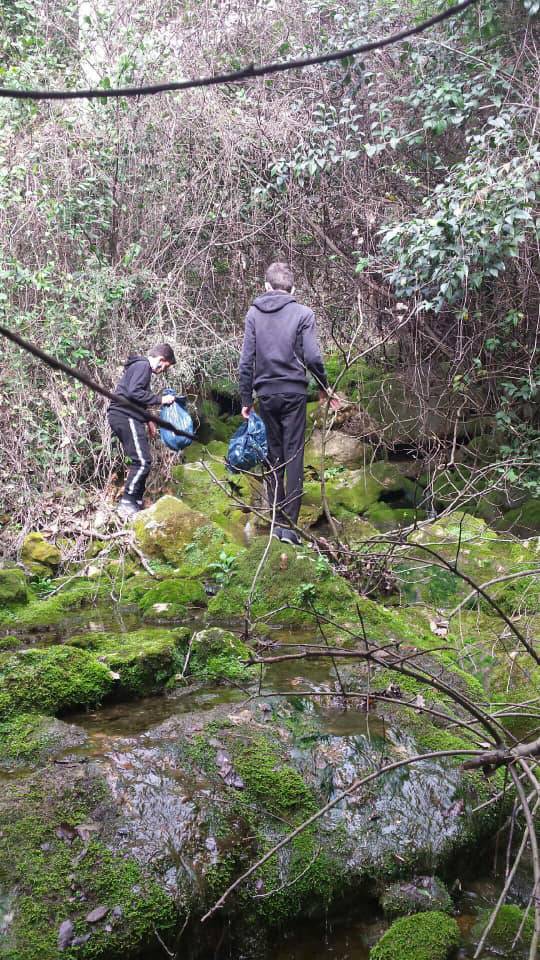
[248, 446]
[177, 415]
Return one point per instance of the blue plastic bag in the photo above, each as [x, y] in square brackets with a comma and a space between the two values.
[248, 446]
[176, 414]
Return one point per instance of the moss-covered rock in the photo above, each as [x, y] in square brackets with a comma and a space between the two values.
[58, 861]
[424, 936]
[221, 502]
[39, 556]
[203, 555]
[219, 655]
[31, 738]
[163, 530]
[174, 533]
[481, 554]
[524, 518]
[75, 595]
[505, 930]
[13, 589]
[339, 448]
[214, 450]
[513, 680]
[144, 661]
[51, 681]
[355, 492]
[416, 896]
[294, 585]
[176, 591]
[289, 578]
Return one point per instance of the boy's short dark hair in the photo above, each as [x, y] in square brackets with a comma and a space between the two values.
[280, 276]
[164, 351]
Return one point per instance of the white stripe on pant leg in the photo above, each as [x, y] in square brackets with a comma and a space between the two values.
[136, 476]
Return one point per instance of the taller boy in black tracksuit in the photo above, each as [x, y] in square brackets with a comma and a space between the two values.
[280, 347]
[129, 425]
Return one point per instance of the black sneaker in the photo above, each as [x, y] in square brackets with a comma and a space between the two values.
[289, 536]
[277, 532]
[127, 509]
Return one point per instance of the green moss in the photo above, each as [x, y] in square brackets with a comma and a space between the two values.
[175, 591]
[51, 681]
[207, 451]
[13, 590]
[357, 381]
[146, 660]
[204, 550]
[424, 936]
[31, 737]
[515, 597]
[517, 684]
[77, 594]
[56, 880]
[219, 655]
[504, 931]
[270, 782]
[430, 584]
[9, 643]
[38, 555]
[302, 583]
[168, 529]
[218, 502]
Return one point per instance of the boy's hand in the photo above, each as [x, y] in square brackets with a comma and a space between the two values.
[333, 400]
[152, 429]
[246, 412]
[167, 399]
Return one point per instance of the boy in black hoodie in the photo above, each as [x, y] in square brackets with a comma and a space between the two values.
[130, 425]
[280, 348]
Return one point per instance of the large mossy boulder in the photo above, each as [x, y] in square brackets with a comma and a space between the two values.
[13, 589]
[290, 578]
[175, 592]
[51, 681]
[425, 936]
[225, 502]
[354, 492]
[144, 661]
[294, 586]
[164, 529]
[339, 448]
[39, 556]
[523, 520]
[173, 532]
[206, 794]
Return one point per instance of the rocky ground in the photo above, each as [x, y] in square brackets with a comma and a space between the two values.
[145, 763]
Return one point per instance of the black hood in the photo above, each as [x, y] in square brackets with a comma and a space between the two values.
[272, 301]
[133, 358]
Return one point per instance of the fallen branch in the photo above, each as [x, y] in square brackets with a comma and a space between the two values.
[490, 760]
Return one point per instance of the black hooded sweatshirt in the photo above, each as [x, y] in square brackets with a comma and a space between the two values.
[280, 347]
[134, 385]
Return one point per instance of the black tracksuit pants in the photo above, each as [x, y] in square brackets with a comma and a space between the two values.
[284, 416]
[133, 437]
